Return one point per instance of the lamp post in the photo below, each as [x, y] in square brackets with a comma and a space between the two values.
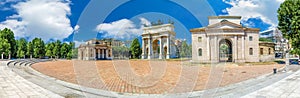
[287, 61]
[282, 47]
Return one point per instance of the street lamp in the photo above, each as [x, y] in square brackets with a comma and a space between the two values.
[282, 48]
[287, 61]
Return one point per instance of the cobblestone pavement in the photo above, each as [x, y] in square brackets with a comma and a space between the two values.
[288, 87]
[15, 86]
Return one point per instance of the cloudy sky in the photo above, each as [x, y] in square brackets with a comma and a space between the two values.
[80, 20]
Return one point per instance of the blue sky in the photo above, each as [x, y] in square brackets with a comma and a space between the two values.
[80, 20]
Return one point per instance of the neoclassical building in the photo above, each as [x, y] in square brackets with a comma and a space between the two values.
[225, 39]
[158, 42]
[95, 50]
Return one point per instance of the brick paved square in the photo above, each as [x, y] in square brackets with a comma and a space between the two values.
[109, 75]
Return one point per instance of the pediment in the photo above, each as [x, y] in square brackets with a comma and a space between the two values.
[225, 24]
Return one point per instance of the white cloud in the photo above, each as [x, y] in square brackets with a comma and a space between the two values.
[122, 29]
[264, 9]
[144, 21]
[76, 28]
[16, 26]
[78, 43]
[46, 19]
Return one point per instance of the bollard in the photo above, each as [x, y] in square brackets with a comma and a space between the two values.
[274, 70]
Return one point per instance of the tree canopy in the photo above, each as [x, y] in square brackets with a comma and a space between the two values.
[4, 47]
[9, 36]
[289, 22]
[21, 47]
[38, 47]
[265, 40]
[48, 50]
[186, 50]
[135, 49]
[56, 49]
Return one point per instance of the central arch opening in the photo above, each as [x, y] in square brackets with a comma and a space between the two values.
[225, 50]
[155, 46]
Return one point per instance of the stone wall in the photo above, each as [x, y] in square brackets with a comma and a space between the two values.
[266, 52]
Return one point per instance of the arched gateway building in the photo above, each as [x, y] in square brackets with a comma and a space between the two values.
[225, 39]
[158, 42]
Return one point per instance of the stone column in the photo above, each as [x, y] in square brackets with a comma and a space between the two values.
[87, 54]
[243, 47]
[216, 52]
[208, 49]
[98, 53]
[149, 48]
[143, 48]
[78, 57]
[235, 49]
[94, 56]
[168, 47]
[160, 48]
[2, 56]
[103, 53]
[106, 53]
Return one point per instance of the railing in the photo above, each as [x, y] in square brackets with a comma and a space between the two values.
[225, 57]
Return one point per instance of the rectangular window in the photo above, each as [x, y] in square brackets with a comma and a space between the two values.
[261, 51]
[269, 51]
[199, 39]
[250, 38]
[251, 51]
[200, 52]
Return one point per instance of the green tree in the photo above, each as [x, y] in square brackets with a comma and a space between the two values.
[135, 49]
[56, 49]
[38, 47]
[49, 48]
[224, 50]
[4, 47]
[64, 50]
[29, 49]
[265, 40]
[289, 22]
[21, 47]
[185, 50]
[120, 51]
[9, 36]
[70, 50]
[75, 53]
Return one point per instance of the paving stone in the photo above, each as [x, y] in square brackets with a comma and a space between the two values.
[286, 88]
[14, 86]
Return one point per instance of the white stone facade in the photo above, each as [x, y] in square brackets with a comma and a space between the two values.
[158, 42]
[95, 50]
[243, 42]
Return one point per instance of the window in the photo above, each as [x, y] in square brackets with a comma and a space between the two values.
[250, 38]
[269, 51]
[200, 52]
[199, 39]
[261, 51]
[251, 51]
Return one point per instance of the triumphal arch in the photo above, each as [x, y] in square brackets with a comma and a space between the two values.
[225, 40]
[158, 42]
